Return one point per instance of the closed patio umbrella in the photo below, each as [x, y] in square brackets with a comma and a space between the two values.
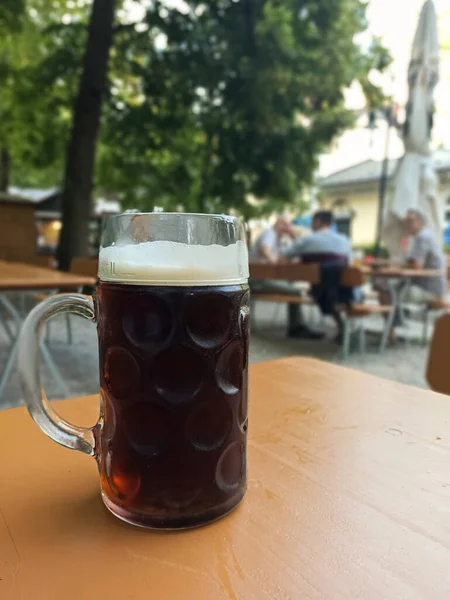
[415, 183]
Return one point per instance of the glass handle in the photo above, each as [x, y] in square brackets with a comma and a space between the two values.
[66, 434]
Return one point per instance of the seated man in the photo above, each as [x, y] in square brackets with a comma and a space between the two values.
[332, 251]
[323, 246]
[425, 253]
[268, 248]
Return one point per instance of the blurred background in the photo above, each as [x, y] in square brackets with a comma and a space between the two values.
[249, 106]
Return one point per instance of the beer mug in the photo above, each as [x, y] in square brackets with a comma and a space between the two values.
[172, 315]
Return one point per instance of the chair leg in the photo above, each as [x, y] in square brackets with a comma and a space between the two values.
[346, 338]
[252, 312]
[425, 323]
[387, 330]
[293, 317]
[69, 329]
[362, 338]
[23, 304]
[8, 369]
[6, 327]
[276, 312]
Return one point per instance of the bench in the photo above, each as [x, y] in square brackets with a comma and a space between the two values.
[284, 298]
[310, 273]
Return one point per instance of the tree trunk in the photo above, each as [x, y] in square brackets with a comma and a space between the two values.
[5, 169]
[80, 160]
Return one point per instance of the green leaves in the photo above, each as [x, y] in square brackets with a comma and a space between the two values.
[210, 106]
[11, 12]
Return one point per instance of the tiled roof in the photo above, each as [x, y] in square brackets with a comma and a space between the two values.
[370, 170]
[32, 194]
[13, 199]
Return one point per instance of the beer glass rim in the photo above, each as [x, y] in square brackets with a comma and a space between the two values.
[176, 214]
[135, 252]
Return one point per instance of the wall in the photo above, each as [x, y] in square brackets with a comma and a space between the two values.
[17, 231]
[363, 199]
[364, 227]
[365, 207]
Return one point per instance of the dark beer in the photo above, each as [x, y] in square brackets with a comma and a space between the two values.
[173, 364]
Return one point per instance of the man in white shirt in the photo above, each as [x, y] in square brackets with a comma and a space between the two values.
[268, 248]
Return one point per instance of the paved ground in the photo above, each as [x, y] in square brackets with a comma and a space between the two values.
[79, 363]
[404, 362]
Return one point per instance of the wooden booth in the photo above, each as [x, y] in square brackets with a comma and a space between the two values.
[17, 228]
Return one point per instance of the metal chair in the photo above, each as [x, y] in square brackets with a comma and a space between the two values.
[438, 371]
[432, 307]
[354, 315]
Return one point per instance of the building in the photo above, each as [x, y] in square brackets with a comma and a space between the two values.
[17, 228]
[353, 192]
[47, 204]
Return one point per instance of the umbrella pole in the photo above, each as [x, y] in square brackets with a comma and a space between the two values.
[383, 185]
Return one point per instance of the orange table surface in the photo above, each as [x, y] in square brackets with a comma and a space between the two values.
[348, 498]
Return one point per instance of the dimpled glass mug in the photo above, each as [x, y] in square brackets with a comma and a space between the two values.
[172, 315]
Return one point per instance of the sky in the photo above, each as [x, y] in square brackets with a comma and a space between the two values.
[395, 22]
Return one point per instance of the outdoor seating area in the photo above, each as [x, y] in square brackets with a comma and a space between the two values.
[66, 358]
[357, 277]
[21, 286]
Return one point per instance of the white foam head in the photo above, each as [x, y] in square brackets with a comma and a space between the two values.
[171, 263]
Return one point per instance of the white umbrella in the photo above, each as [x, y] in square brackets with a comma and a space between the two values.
[415, 183]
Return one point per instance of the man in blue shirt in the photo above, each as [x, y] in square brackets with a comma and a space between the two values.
[332, 251]
[323, 246]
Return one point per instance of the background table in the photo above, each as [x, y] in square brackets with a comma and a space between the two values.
[402, 273]
[398, 281]
[20, 276]
[348, 498]
[24, 279]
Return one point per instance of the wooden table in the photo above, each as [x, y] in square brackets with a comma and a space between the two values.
[20, 276]
[23, 279]
[348, 498]
[398, 281]
[294, 272]
[402, 273]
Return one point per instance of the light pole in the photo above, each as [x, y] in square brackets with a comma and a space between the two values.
[390, 114]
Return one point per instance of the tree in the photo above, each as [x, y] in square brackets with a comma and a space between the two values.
[11, 12]
[238, 100]
[47, 54]
[40, 53]
[208, 106]
[80, 161]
